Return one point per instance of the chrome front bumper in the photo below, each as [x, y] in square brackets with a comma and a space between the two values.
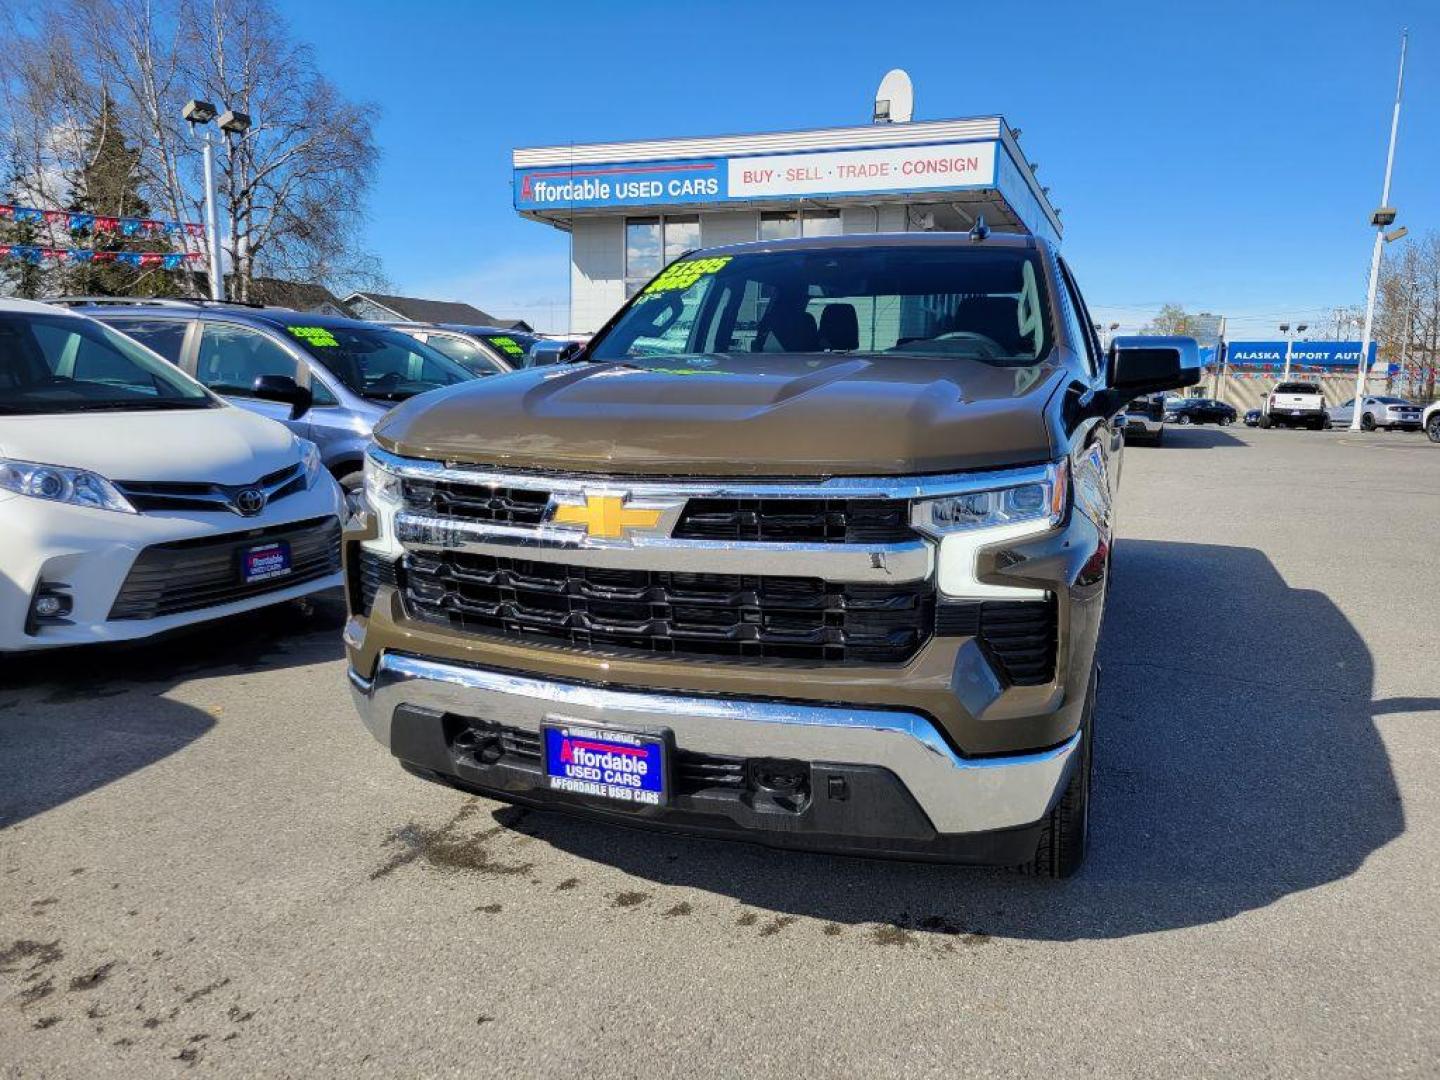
[957, 794]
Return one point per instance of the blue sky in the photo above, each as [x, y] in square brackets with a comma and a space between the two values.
[1220, 155]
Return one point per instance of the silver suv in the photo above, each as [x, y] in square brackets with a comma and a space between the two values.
[327, 379]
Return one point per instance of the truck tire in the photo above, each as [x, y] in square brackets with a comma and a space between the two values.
[1066, 832]
[1432, 428]
[1266, 422]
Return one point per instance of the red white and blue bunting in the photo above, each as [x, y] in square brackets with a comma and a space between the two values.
[166, 260]
[99, 224]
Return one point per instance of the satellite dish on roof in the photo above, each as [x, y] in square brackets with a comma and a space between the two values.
[895, 100]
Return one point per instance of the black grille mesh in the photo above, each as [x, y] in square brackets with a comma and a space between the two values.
[476, 502]
[816, 521]
[1019, 636]
[673, 614]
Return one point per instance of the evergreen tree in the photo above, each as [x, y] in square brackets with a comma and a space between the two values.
[107, 185]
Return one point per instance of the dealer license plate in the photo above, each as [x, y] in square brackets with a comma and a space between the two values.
[617, 765]
[265, 561]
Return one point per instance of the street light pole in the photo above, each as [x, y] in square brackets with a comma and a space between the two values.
[1289, 343]
[212, 218]
[1381, 219]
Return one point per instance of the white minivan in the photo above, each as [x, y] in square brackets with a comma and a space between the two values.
[133, 500]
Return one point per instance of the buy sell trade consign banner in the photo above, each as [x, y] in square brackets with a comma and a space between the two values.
[944, 166]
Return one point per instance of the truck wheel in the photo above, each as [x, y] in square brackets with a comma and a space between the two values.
[1266, 422]
[1066, 834]
[1367, 422]
[1432, 429]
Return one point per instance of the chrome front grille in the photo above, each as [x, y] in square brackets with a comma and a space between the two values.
[159, 496]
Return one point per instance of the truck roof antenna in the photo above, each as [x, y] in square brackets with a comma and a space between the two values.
[979, 231]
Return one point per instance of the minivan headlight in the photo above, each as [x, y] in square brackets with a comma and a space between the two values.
[1041, 499]
[311, 459]
[55, 483]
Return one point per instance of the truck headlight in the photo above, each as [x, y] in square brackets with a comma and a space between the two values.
[967, 521]
[77, 487]
[1039, 500]
[382, 487]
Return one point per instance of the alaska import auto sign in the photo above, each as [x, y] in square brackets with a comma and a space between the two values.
[1303, 354]
[947, 166]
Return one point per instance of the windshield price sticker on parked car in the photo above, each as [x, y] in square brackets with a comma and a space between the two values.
[613, 765]
[682, 275]
[507, 345]
[315, 335]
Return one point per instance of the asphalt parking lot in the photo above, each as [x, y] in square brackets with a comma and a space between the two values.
[206, 864]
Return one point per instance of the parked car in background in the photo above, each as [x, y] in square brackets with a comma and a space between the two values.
[136, 501]
[327, 379]
[1200, 411]
[484, 350]
[1252, 418]
[1144, 420]
[1430, 421]
[1294, 404]
[1390, 413]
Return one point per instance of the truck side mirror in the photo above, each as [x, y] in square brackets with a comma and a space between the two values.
[287, 391]
[552, 352]
[1145, 365]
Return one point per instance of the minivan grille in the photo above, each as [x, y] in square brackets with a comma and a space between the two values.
[672, 614]
[187, 575]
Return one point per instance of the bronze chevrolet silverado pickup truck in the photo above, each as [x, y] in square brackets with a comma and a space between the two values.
[808, 546]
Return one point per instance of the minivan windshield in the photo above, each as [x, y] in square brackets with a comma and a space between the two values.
[986, 305]
[62, 363]
[377, 362]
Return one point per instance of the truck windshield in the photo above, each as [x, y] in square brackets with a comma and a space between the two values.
[986, 305]
[62, 363]
[376, 362]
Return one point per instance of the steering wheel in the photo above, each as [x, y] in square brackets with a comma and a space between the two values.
[987, 345]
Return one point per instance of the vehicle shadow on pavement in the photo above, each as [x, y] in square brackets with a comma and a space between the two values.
[1194, 437]
[1236, 763]
[73, 720]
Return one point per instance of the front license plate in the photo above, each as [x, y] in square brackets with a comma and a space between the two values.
[265, 561]
[617, 765]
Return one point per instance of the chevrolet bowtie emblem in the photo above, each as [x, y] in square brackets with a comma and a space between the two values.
[606, 517]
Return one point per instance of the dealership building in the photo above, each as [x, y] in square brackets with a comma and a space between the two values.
[630, 207]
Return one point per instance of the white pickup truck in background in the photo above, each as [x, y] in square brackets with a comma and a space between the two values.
[1294, 404]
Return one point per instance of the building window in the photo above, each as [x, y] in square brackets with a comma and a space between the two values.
[642, 252]
[682, 234]
[652, 242]
[779, 224]
[820, 223]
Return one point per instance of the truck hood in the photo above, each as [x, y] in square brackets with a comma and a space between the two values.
[821, 414]
[218, 446]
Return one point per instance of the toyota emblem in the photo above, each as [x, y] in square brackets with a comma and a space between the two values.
[250, 501]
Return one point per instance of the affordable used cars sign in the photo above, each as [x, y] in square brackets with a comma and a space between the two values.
[945, 166]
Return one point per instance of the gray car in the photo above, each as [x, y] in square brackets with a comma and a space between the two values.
[1391, 413]
[485, 350]
[327, 379]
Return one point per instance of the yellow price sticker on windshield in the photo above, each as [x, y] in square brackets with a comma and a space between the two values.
[507, 345]
[315, 335]
[682, 275]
